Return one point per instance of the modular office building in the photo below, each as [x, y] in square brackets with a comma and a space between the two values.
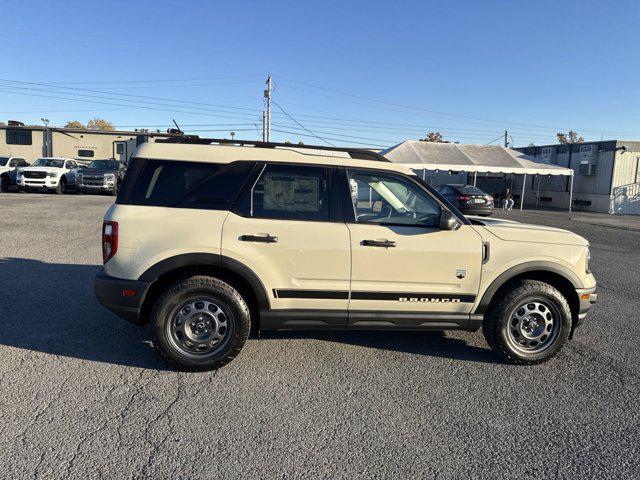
[33, 142]
[606, 176]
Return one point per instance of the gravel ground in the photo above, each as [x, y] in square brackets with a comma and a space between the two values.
[85, 395]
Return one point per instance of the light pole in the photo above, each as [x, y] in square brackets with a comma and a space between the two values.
[45, 121]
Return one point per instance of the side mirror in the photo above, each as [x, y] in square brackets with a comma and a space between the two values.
[448, 221]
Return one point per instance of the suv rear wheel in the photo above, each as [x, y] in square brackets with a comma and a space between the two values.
[200, 323]
[529, 325]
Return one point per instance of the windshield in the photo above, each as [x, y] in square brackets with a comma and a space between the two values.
[3, 161]
[49, 162]
[104, 164]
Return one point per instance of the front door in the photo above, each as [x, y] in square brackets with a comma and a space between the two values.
[406, 271]
[286, 228]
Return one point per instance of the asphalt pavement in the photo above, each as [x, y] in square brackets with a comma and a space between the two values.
[84, 395]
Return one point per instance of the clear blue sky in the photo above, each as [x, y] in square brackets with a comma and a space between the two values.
[362, 73]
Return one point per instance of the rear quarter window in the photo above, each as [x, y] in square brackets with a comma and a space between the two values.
[170, 183]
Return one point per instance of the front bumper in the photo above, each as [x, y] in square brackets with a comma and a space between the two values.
[111, 294]
[587, 298]
[102, 185]
[48, 182]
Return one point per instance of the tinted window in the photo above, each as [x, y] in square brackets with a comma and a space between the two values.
[219, 190]
[386, 199]
[169, 183]
[469, 190]
[16, 136]
[164, 182]
[291, 192]
[3, 161]
[85, 153]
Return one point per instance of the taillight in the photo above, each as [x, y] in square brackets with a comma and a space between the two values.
[464, 198]
[109, 240]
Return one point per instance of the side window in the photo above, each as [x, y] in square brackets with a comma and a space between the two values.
[14, 162]
[163, 183]
[387, 199]
[290, 192]
[218, 191]
[22, 162]
[71, 164]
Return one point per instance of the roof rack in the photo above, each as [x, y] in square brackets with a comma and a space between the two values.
[356, 153]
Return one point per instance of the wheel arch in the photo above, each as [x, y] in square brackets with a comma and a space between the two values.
[555, 275]
[170, 270]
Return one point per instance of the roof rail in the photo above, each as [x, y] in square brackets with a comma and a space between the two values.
[356, 153]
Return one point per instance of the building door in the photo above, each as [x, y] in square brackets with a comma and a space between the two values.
[120, 151]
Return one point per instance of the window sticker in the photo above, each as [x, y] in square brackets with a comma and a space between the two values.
[291, 193]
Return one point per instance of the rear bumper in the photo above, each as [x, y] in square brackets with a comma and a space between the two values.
[111, 294]
[477, 210]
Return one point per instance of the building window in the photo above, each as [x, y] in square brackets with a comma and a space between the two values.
[18, 136]
[85, 153]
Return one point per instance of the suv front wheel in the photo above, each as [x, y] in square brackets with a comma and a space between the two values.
[200, 323]
[530, 324]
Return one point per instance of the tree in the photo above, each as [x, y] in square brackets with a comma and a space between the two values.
[74, 124]
[571, 137]
[433, 137]
[100, 124]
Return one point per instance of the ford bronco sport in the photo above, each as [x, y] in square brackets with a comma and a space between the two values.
[210, 238]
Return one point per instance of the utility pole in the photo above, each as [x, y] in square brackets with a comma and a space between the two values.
[264, 127]
[506, 142]
[267, 95]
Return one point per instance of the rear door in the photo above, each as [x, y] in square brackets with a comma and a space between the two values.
[406, 271]
[289, 230]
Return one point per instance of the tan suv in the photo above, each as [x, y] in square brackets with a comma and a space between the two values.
[209, 238]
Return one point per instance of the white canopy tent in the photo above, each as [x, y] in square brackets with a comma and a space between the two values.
[455, 157]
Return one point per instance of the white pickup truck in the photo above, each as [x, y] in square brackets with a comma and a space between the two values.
[8, 169]
[49, 173]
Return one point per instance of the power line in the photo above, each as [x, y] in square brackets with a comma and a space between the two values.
[305, 128]
[477, 119]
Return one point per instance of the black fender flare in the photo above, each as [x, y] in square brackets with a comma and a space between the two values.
[535, 266]
[212, 260]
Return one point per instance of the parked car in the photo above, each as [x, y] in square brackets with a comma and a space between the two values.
[101, 176]
[209, 241]
[468, 199]
[48, 173]
[8, 171]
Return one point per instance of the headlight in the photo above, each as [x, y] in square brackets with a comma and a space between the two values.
[110, 177]
[52, 174]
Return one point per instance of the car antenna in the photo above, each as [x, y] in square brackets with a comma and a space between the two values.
[180, 132]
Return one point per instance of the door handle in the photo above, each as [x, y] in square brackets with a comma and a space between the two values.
[259, 238]
[379, 243]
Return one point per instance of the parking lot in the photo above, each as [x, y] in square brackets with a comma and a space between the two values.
[84, 394]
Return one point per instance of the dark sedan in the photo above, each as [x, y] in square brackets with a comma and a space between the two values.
[468, 199]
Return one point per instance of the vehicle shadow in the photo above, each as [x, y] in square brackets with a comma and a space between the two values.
[428, 343]
[51, 308]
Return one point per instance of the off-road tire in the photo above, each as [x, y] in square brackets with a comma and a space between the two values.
[4, 184]
[200, 287]
[495, 329]
[61, 189]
